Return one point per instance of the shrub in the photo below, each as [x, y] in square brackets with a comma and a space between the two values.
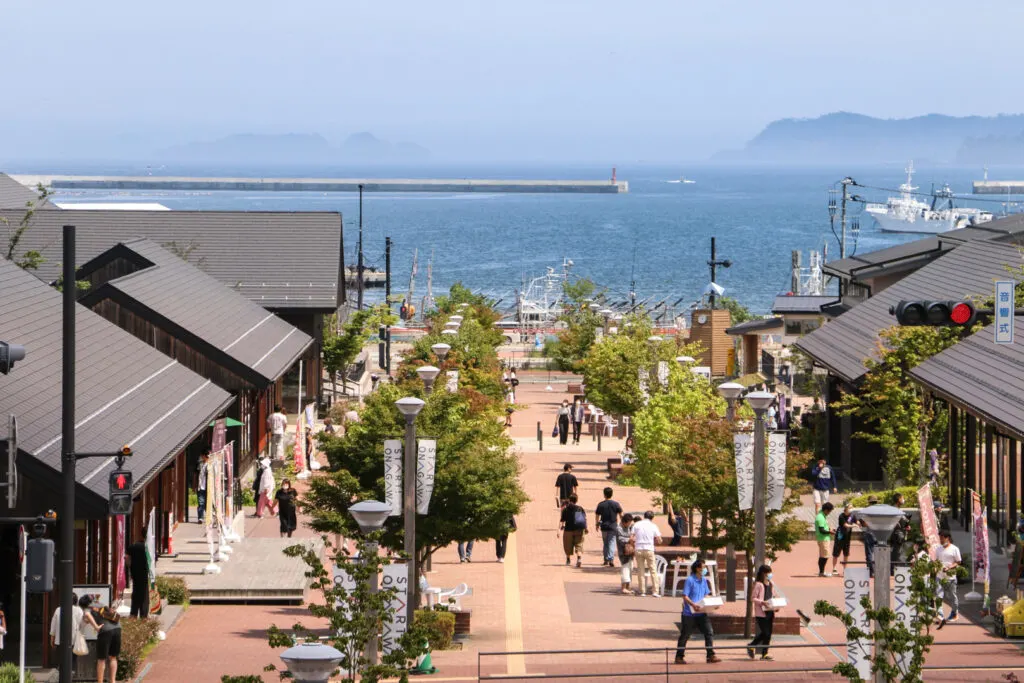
[244, 496]
[9, 674]
[249, 678]
[440, 626]
[909, 495]
[137, 637]
[193, 499]
[173, 589]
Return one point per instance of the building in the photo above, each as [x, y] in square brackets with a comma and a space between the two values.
[207, 327]
[800, 314]
[127, 393]
[750, 335]
[14, 195]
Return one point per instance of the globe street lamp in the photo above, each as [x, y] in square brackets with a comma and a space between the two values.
[449, 332]
[428, 373]
[441, 350]
[683, 360]
[452, 325]
[730, 391]
[759, 401]
[311, 662]
[370, 515]
[410, 407]
[456, 318]
[881, 520]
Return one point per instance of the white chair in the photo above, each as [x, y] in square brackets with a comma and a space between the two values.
[455, 595]
[661, 569]
[610, 425]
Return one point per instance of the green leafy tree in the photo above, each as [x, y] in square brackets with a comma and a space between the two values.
[340, 350]
[31, 259]
[582, 323]
[900, 647]
[738, 312]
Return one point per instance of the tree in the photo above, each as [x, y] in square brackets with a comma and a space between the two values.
[340, 350]
[31, 259]
[582, 324]
[738, 312]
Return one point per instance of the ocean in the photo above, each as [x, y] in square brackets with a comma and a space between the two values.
[658, 234]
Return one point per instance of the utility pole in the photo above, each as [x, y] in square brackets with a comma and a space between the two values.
[387, 298]
[359, 267]
[713, 264]
[67, 467]
[846, 182]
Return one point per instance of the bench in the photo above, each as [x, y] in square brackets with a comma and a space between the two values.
[614, 471]
[612, 462]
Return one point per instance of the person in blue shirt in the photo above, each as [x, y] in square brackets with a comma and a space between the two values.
[695, 589]
[823, 481]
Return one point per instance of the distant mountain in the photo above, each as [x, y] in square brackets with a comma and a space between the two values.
[992, 150]
[294, 148]
[854, 138]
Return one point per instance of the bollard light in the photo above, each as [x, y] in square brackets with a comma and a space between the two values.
[311, 662]
[760, 400]
[682, 360]
[449, 332]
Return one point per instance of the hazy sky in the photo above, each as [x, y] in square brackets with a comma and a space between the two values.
[528, 79]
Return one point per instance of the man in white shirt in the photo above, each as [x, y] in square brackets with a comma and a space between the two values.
[277, 423]
[76, 623]
[949, 556]
[645, 535]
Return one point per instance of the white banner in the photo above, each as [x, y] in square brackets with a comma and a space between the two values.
[663, 373]
[642, 377]
[776, 470]
[452, 385]
[396, 575]
[151, 546]
[857, 584]
[342, 579]
[393, 475]
[743, 443]
[426, 457]
[901, 602]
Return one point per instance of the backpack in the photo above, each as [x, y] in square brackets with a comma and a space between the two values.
[580, 518]
[256, 481]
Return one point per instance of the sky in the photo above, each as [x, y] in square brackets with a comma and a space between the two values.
[534, 80]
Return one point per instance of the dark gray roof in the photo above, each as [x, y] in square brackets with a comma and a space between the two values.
[217, 321]
[986, 377]
[752, 326]
[126, 391]
[1006, 230]
[908, 255]
[279, 260]
[847, 341]
[800, 304]
[14, 195]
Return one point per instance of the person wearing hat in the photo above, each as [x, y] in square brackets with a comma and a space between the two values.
[266, 488]
[869, 540]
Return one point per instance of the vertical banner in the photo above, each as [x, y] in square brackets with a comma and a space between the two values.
[856, 585]
[451, 385]
[299, 450]
[396, 576]
[642, 377]
[343, 580]
[743, 443]
[901, 602]
[783, 414]
[220, 431]
[663, 373]
[151, 545]
[311, 462]
[119, 548]
[1004, 306]
[776, 490]
[229, 482]
[393, 475]
[426, 457]
[981, 549]
[929, 525]
[211, 489]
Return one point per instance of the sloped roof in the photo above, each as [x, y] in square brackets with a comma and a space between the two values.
[800, 304]
[755, 326]
[14, 195]
[847, 341]
[219, 322]
[1005, 230]
[279, 260]
[909, 254]
[126, 391]
[986, 377]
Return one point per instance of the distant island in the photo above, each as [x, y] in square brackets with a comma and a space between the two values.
[294, 148]
[844, 137]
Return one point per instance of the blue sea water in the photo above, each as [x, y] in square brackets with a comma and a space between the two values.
[659, 233]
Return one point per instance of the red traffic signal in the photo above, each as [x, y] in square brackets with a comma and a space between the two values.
[120, 492]
[935, 313]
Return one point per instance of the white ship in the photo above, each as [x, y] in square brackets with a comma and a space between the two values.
[906, 213]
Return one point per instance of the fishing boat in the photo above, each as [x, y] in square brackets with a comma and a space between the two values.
[907, 213]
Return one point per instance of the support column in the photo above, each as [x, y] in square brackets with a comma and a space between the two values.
[989, 480]
[970, 467]
[954, 471]
[1012, 486]
[845, 447]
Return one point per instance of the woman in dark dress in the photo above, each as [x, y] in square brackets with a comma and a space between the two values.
[285, 502]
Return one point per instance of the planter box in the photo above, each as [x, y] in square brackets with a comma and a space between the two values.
[462, 622]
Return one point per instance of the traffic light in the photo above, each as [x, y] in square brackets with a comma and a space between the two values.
[39, 561]
[9, 353]
[935, 313]
[120, 492]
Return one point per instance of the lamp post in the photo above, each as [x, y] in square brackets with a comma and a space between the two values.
[759, 401]
[730, 391]
[449, 332]
[441, 350]
[452, 325]
[410, 407]
[456, 318]
[370, 515]
[311, 662]
[683, 360]
[881, 520]
[428, 373]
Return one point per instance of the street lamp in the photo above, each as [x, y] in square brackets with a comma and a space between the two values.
[428, 373]
[449, 332]
[370, 515]
[881, 520]
[410, 407]
[683, 360]
[456, 318]
[655, 338]
[311, 662]
[759, 401]
[441, 350]
[730, 391]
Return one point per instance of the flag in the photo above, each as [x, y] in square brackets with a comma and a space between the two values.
[425, 463]
[396, 575]
[393, 475]
[151, 546]
[776, 471]
[929, 525]
[743, 442]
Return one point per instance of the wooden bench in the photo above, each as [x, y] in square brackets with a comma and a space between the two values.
[612, 462]
[614, 471]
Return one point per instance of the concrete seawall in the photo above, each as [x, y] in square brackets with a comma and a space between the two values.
[70, 182]
[998, 187]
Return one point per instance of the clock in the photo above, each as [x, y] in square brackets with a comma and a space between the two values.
[701, 319]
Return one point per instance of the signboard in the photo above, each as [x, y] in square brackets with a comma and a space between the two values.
[393, 475]
[220, 431]
[929, 525]
[663, 373]
[901, 602]
[451, 384]
[426, 459]
[1004, 309]
[395, 576]
[776, 470]
[743, 443]
[857, 584]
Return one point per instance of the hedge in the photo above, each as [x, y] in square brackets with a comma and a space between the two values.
[9, 674]
[885, 497]
[136, 637]
[440, 626]
[173, 589]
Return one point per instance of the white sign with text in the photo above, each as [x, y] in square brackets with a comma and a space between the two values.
[393, 475]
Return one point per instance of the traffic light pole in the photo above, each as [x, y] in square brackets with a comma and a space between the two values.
[66, 575]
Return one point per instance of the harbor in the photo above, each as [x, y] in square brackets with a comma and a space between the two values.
[460, 185]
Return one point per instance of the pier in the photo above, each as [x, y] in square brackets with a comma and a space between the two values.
[1003, 187]
[183, 183]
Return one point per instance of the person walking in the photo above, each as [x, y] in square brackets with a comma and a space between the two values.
[645, 536]
[608, 512]
[266, 488]
[465, 549]
[138, 574]
[949, 556]
[823, 534]
[823, 481]
[627, 548]
[844, 533]
[76, 630]
[107, 625]
[284, 503]
[695, 589]
[513, 382]
[563, 422]
[277, 423]
[565, 486]
[577, 420]
[201, 477]
[508, 415]
[899, 534]
[501, 542]
[573, 527]
[764, 613]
